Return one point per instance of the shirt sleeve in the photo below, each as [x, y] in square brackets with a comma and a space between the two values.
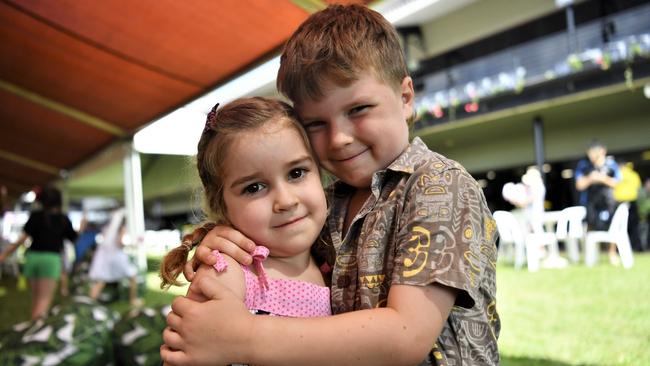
[616, 169]
[30, 225]
[69, 232]
[581, 169]
[446, 235]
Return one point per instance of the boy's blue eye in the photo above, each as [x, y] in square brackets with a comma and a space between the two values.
[253, 188]
[359, 109]
[313, 125]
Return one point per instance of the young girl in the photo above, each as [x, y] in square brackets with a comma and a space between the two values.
[259, 176]
[110, 263]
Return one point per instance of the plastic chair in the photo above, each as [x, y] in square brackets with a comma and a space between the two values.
[526, 245]
[570, 229]
[511, 237]
[616, 234]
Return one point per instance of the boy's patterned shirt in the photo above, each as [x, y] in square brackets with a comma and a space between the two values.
[426, 221]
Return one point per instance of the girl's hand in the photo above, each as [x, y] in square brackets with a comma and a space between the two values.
[216, 332]
[224, 239]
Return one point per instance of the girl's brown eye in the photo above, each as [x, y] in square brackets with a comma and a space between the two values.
[253, 188]
[297, 173]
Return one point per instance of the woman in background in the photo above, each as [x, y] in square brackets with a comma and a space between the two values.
[47, 228]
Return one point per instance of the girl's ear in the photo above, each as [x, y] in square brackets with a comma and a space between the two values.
[408, 97]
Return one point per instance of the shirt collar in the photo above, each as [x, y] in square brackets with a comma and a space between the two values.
[406, 161]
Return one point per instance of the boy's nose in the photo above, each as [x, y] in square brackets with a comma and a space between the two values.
[340, 134]
[285, 199]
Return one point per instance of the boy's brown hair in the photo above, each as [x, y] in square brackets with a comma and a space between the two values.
[334, 46]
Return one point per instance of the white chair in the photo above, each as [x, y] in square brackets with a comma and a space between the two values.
[511, 237]
[570, 229]
[616, 234]
[526, 245]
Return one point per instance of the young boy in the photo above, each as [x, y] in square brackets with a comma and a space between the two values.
[409, 242]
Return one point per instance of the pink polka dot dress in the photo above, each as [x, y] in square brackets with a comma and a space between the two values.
[280, 297]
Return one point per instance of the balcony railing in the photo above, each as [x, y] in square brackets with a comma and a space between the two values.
[466, 89]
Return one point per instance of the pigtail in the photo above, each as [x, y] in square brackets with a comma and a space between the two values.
[173, 263]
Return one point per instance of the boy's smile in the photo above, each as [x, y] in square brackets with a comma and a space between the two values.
[360, 128]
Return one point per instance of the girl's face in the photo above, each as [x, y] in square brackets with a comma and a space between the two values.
[272, 189]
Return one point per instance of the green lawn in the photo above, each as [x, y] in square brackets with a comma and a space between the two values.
[576, 315]
[573, 316]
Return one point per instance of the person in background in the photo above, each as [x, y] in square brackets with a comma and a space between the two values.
[47, 228]
[595, 178]
[627, 190]
[528, 195]
[110, 263]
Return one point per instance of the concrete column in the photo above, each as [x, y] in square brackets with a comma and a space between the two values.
[538, 134]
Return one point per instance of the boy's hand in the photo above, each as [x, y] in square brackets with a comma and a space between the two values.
[224, 239]
[215, 332]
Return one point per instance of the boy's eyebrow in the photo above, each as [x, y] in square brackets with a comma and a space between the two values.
[300, 160]
[355, 101]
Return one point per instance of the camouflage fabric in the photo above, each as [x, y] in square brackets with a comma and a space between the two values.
[77, 332]
[138, 335]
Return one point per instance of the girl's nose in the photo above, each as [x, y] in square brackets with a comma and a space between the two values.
[285, 199]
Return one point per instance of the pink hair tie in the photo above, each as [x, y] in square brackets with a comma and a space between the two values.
[221, 264]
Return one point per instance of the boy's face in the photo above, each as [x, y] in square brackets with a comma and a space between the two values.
[359, 129]
[597, 155]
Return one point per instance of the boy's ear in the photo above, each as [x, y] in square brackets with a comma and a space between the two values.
[408, 96]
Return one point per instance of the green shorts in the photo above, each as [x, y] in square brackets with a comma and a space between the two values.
[42, 265]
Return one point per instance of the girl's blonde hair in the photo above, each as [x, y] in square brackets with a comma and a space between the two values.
[221, 128]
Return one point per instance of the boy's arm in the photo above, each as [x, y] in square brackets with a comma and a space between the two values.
[226, 240]
[222, 331]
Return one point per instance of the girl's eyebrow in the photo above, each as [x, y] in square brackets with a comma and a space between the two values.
[301, 160]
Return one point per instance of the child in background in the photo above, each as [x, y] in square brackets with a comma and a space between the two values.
[259, 175]
[409, 239]
[110, 263]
